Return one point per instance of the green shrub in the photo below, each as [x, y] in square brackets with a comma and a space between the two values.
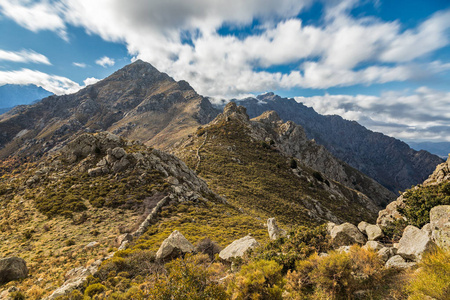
[419, 202]
[17, 295]
[261, 279]
[432, 280]
[94, 289]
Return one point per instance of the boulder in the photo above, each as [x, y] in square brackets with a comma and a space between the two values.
[427, 229]
[390, 214]
[118, 152]
[414, 243]
[123, 237]
[175, 245]
[386, 253]
[362, 226]
[440, 225]
[12, 268]
[346, 234]
[238, 248]
[374, 232]
[274, 231]
[399, 262]
[373, 245]
[330, 226]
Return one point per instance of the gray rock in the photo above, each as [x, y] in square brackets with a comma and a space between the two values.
[92, 245]
[427, 229]
[386, 253]
[124, 237]
[95, 171]
[118, 152]
[414, 243]
[175, 245]
[330, 226]
[373, 245]
[399, 262]
[274, 231]
[440, 225]
[374, 232]
[362, 226]
[346, 234]
[238, 247]
[12, 268]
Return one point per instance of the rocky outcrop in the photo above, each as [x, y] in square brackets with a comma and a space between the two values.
[389, 161]
[440, 174]
[275, 232]
[414, 243]
[238, 248]
[346, 234]
[390, 214]
[440, 225]
[373, 232]
[175, 245]
[12, 268]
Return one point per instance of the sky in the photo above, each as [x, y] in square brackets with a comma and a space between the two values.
[383, 63]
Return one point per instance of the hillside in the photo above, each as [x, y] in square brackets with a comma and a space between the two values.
[137, 102]
[255, 169]
[387, 160]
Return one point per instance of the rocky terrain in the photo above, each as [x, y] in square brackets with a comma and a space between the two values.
[387, 160]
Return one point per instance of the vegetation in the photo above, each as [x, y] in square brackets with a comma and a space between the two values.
[419, 202]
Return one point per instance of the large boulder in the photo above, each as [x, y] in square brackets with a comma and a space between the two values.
[12, 268]
[386, 253]
[414, 243]
[346, 234]
[175, 245]
[238, 248]
[274, 231]
[362, 226]
[374, 232]
[440, 225]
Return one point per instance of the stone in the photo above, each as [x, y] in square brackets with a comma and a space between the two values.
[95, 171]
[175, 245]
[362, 226]
[374, 232]
[440, 225]
[386, 252]
[123, 237]
[118, 152]
[238, 247]
[92, 245]
[275, 232]
[373, 245]
[346, 234]
[12, 268]
[391, 214]
[399, 262]
[427, 229]
[345, 249]
[330, 226]
[414, 243]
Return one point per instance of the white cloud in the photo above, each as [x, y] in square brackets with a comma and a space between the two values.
[90, 80]
[105, 61]
[52, 83]
[24, 56]
[421, 115]
[80, 65]
[35, 16]
[341, 50]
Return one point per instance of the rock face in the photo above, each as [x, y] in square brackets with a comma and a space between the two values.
[389, 161]
[175, 245]
[441, 174]
[275, 232]
[12, 268]
[440, 225]
[346, 234]
[374, 232]
[238, 248]
[414, 243]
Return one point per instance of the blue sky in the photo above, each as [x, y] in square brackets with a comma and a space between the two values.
[385, 64]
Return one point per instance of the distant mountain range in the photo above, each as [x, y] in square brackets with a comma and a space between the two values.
[389, 161]
[441, 149]
[14, 94]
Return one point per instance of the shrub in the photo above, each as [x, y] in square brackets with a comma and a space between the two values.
[17, 295]
[261, 279]
[206, 246]
[94, 289]
[318, 176]
[293, 163]
[432, 280]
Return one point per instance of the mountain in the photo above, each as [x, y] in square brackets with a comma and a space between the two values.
[12, 95]
[266, 167]
[389, 161]
[442, 149]
[137, 102]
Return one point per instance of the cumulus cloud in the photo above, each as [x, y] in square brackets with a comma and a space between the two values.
[90, 80]
[181, 38]
[52, 83]
[36, 16]
[420, 115]
[105, 61]
[80, 65]
[24, 56]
